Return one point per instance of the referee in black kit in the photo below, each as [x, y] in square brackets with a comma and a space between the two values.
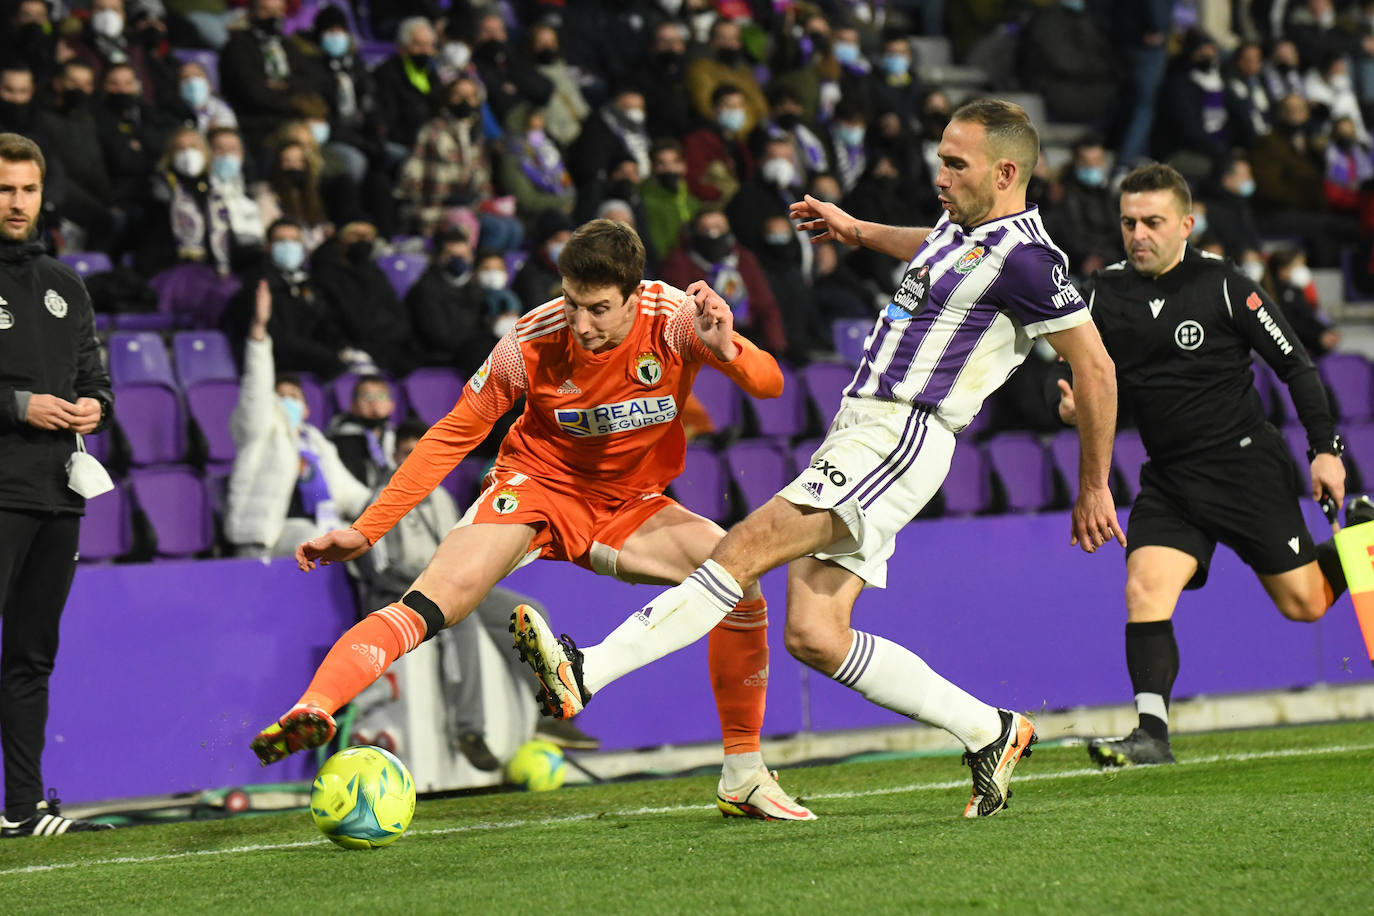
[1180, 325]
[52, 386]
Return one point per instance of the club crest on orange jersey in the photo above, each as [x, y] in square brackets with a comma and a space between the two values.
[505, 501]
[971, 259]
[648, 370]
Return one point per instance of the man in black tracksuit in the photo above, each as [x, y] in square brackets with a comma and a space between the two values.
[1180, 326]
[52, 387]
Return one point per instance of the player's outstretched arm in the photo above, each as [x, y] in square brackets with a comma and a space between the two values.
[1093, 399]
[714, 321]
[745, 364]
[337, 546]
[831, 222]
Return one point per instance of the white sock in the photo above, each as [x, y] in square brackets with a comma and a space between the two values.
[897, 679]
[739, 766]
[1152, 704]
[676, 618]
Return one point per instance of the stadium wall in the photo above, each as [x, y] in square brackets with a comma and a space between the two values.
[168, 669]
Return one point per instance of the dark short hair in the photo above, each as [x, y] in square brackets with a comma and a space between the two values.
[369, 380]
[411, 428]
[666, 143]
[1010, 133]
[282, 222]
[723, 91]
[18, 148]
[288, 378]
[1158, 176]
[603, 252]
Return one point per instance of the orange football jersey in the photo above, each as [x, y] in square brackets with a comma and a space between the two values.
[606, 422]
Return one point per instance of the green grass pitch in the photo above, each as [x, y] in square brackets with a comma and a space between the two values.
[1264, 821]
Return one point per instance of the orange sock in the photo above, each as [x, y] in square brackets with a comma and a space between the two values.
[362, 654]
[737, 656]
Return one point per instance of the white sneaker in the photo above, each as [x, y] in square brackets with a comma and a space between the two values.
[760, 797]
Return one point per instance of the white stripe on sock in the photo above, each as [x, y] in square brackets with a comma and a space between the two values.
[1152, 704]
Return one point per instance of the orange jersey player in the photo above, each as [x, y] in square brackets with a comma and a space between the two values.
[604, 371]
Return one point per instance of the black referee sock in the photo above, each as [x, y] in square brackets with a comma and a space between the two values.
[1329, 562]
[1152, 660]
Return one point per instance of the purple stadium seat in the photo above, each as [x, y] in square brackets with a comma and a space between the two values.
[825, 384]
[514, 261]
[463, 482]
[319, 400]
[210, 403]
[86, 263]
[1064, 453]
[152, 419]
[103, 322]
[1296, 437]
[98, 444]
[1359, 442]
[139, 357]
[343, 397]
[203, 356]
[721, 398]
[303, 19]
[174, 501]
[1020, 461]
[849, 335]
[194, 294]
[967, 487]
[759, 469]
[981, 421]
[374, 52]
[1351, 380]
[1278, 406]
[701, 486]
[208, 60]
[433, 392]
[785, 415]
[802, 452]
[106, 531]
[1128, 456]
[144, 321]
[402, 270]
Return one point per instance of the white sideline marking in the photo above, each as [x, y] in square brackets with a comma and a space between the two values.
[696, 809]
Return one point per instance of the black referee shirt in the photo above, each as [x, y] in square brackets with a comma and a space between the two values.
[1182, 343]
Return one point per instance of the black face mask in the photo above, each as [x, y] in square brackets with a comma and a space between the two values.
[820, 42]
[75, 100]
[668, 61]
[1344, 143]
[461, 111]
[294, 178]
[31, 36]
[120, 101]
[730, 57]
[781, 252]
[788, 120]
[545, 56]
[622, 190]
[358, 253]
[489, 49]
[1037, 190]
[713, 249]
[268, 25]
[457, 266]
[1206, 65]
[669, 180]
[14, 116]
[934, 124]
[420, 61]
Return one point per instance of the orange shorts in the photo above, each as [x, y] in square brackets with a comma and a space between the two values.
[570, 523]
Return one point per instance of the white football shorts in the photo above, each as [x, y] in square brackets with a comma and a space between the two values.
[878, 466]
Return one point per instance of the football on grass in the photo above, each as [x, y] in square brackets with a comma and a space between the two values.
[538, 767]
[362, 798]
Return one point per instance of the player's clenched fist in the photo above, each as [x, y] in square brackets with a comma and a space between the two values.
[715, 322]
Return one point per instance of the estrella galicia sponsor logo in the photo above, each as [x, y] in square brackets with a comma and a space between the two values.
[971, 259]
[605, 419]
[832, 473]
[911, 294]
[1188, 335]
[1256, 305]
[506, 501]
[648, 369]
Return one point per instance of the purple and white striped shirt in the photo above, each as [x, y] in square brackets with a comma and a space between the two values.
[966, 314]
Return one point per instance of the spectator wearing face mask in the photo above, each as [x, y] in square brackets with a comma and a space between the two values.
[848, 152]
[1331, 95]
[408, 90]
[1199, 131]
[785, 122]
[74, 141]
[110, 38]
[566, 109]
[201, 213]
[661, 79]
[1231, 217]
[779, 250]
[448, 306]
[1349, 169]
[726, 64]
[668, 204]
[1281, 74]
[1085, 222]
[352, 128]
[804, 65]
[770, 192]
[718, 157]
[532, 168]
[200, 104]
[510, 79]
[538, 279]
[292, 191]
[895, 85]
[503, 306]
[304, 334]
[133, 135]
[1066, 58]
[364, 434]
[287, 484]
[709, 252]
[615, 131]
[366, 309]
[1289, 281]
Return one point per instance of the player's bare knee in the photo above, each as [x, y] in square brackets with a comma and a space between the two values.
[816, 644]
[1303, 608]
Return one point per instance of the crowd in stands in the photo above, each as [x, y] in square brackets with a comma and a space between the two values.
[391, 183]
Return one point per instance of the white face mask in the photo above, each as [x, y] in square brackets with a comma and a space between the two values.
[456, 54]
[108, 23]
[492, 279]
[188, 162]
[1254, 269]
[504, 324]
[779, 172]
[1300, 275]
[86, 476]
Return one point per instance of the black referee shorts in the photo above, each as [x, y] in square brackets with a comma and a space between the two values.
[1241, 496]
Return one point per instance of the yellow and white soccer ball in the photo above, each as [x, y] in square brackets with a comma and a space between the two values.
[363, 798]
[538, 766]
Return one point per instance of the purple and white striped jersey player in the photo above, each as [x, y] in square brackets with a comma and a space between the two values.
[966, 314]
